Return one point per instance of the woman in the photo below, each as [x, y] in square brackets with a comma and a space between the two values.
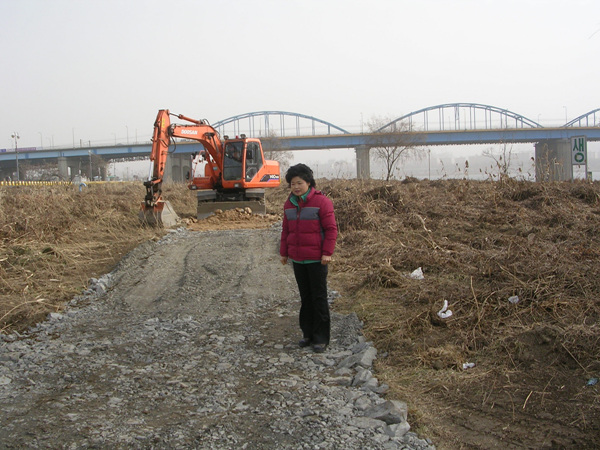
[308, 240]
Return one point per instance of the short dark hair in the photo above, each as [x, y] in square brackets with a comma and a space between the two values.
[302, 171]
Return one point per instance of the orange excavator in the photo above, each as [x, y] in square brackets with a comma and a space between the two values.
[235, 171]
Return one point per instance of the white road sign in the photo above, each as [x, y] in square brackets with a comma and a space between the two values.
[579, 150]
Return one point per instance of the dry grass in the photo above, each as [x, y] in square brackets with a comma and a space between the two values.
[54, 238]
[478, 244]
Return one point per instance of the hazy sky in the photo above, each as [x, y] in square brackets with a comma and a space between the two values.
[101, 69]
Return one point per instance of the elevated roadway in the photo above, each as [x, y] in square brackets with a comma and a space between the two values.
[440, 125]
[319, 142]
[78, 158]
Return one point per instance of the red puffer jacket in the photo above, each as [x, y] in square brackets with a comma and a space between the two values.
[309, 229]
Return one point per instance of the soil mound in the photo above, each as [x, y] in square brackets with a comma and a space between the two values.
[239, 218]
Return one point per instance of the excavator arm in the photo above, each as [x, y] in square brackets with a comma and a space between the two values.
[164, 131]
[158, 158]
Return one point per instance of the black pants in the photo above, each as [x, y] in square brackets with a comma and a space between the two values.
[314, 312]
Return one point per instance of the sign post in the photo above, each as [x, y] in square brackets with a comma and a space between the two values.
[578, 152]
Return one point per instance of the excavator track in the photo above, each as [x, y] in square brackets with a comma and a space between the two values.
[209, 202]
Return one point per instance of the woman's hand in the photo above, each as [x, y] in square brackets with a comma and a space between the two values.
[284, 260]
[325, 259]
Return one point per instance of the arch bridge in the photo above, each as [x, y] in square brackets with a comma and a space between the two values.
[460, 116]
[443, 117]
[444, 124]
[275, 124]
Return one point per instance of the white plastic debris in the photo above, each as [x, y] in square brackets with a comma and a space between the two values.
[466, 366]
[514, 299]
[417, 274]
[444, 313]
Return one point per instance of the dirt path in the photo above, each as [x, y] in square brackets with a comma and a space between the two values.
[192, 346]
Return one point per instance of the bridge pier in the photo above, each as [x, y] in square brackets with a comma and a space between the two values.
[69, 167]
[363, 162]
[553, 160]
[104, 173]
[63, 168]
[177, 167]
[6, 174]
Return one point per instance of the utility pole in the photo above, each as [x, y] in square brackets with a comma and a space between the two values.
[16, 136]
[90, 155]
[429, 154]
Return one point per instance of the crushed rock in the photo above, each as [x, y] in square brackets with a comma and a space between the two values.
[191, 342]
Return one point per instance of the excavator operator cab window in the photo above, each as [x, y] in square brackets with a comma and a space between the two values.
[254, 160]
[232, 165]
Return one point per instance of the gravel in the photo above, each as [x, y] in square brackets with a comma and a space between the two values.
[191, 342]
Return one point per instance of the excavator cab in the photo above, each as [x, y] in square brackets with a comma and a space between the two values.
[243, 159]
[233, 160]
[254, 160]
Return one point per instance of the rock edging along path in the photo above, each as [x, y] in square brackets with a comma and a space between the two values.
[191, 342]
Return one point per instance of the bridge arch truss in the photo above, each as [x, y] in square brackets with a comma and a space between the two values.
[460, 117]
[276, 124]
[589, 119]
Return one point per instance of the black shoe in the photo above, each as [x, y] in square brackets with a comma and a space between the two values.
[319, 348]
[304, 342]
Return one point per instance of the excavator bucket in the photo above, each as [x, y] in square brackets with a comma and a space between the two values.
[161, 215]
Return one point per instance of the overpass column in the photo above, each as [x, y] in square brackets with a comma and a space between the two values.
[553, 160]
[74, 168]
[168, 173]
[63, 168]
[177, 167]
[363, 162]
[5, 174]
[185, 165]
[104, 172]
[171, 168]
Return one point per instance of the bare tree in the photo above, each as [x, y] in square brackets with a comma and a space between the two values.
[341, 169]
[98, 167]
[43, 172]
[502, 160]
[273, 150]
[392, 143]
